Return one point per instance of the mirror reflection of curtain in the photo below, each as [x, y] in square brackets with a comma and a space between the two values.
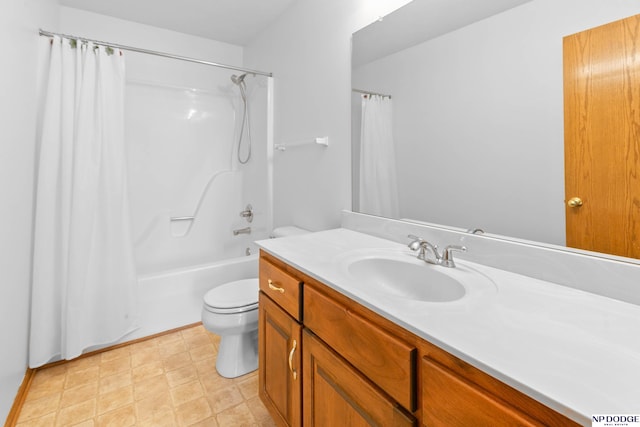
[84, 290]
[378, 178]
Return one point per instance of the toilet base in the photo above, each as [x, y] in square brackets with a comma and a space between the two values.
[237, 354]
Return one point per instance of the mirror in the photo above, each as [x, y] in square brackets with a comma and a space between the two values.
[477, 90]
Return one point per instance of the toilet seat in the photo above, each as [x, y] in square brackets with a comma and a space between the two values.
[233, 297]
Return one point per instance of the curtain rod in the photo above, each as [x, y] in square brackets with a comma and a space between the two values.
[368, 92]
[156, 53]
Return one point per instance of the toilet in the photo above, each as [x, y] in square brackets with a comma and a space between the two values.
[231, 311]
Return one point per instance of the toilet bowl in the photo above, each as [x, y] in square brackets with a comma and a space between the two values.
[231, 311]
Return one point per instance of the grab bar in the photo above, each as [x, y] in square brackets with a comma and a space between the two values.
[182, 218]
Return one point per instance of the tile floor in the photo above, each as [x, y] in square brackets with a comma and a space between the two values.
[164, 381]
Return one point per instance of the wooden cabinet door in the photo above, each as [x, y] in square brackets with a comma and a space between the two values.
[602, 142]
[335, 394]
[279, 349]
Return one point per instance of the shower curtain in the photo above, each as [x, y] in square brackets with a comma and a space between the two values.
[84, 290]
[378, 180]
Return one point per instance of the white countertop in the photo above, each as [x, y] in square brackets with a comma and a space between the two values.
[576, 352]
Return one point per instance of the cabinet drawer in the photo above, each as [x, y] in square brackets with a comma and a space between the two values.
[281, 287]
[386, 360]
[451, 401]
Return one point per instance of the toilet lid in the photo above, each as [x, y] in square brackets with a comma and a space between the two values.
[241, 295]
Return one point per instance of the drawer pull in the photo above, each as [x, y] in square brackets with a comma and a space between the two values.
[275, 288]
[293, 350]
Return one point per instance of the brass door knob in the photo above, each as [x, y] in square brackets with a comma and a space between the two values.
[574, 202]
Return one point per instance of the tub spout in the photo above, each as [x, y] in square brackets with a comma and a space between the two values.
[246, 230]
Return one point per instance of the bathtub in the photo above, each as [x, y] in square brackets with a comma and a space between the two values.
[173, 298]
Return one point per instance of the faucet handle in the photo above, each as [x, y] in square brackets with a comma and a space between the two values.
[420, 245]
[415, 242]
[447, 256]
[247, 213]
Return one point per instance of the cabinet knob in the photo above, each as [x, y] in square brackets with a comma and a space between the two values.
[274, 287]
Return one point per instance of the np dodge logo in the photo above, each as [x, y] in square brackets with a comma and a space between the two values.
[615, 420]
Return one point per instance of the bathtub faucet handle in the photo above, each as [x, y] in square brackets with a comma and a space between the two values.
[247, 213]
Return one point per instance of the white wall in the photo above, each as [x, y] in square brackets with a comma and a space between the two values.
[106, 28]
[309, 52]
[19, 23]
[479, 118]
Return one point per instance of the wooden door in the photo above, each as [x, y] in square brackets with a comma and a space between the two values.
[335, 394]
[279, 350]
[602, 138]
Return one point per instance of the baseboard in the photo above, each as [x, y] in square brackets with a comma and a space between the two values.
[12, 418]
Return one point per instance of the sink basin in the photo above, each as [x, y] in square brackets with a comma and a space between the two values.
[399, 274]
[407, 280]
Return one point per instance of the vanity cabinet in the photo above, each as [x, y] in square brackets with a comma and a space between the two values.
[326, 360]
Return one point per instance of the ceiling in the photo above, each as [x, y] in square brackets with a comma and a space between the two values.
[419, 21]
[231, 21]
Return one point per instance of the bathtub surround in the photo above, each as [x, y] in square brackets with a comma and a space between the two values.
[84, 290]
[182, 124]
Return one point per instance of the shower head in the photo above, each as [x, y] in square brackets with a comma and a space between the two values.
[238, 79]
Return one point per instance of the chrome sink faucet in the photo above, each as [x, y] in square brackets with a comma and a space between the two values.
[422, 246]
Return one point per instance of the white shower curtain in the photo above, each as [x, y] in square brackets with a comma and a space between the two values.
[84, 280]
[378, 179]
